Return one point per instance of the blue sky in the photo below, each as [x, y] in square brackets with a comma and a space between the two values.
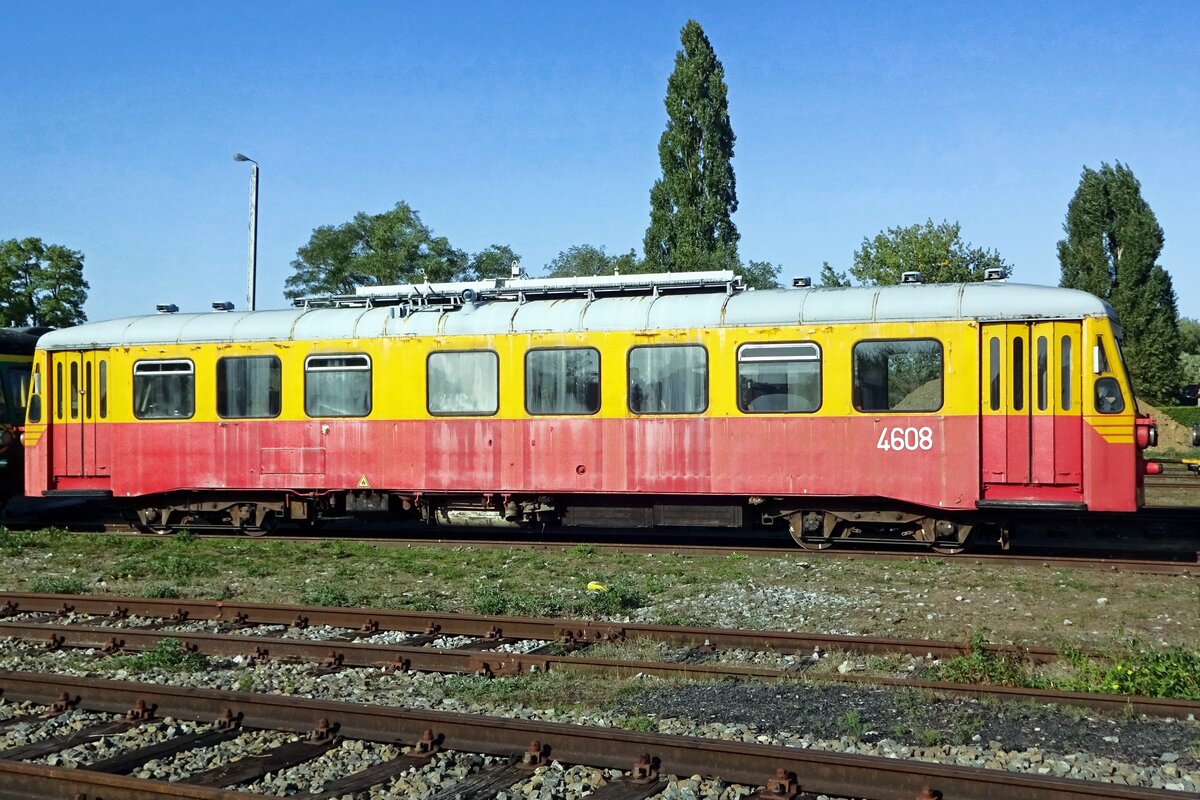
[536, 125]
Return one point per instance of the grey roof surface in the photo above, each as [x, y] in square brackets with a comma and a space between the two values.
[809, 306]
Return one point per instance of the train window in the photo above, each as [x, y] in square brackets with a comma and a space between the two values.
[994, 373]
[18, 391]
[668, 379]
[58, 391]
[4, 403]
[1064, 362]
[35, 397]
[464, 383]
[164, 389]
[898, 375]
[87, 391]
[562, 381]
[337, 386]
[1042, 377]
[1018, 373]
[249, 386]
[780, 378]
[1100, 358]
[74, 390]
[103, 376]
[1109, 399]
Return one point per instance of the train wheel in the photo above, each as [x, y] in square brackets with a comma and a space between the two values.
[149, 520]
[811, 530]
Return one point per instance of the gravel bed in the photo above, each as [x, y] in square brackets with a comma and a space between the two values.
[39, 730]
[114, 744]
[848, 719]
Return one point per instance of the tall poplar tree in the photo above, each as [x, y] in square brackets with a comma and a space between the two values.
[691, 206]
[1111, 250]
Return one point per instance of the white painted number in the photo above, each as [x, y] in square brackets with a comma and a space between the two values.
[905, 439]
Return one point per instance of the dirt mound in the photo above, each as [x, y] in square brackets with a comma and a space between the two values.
[1171, 435]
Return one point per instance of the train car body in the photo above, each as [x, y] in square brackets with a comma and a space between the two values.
[16, 357]
[926, 408]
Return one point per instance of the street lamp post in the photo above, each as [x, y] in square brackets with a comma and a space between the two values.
[253, 256]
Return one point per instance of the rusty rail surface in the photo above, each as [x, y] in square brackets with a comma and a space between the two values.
[418, 622]
[817, 772]
[491, 663]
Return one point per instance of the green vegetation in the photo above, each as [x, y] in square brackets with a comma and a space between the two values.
[1184, 415]
[331, 596]
[984, 666]
[938, 252]
[41, 284]
[168, 654]
[57, 584]
[1111, 249]
[161, 591]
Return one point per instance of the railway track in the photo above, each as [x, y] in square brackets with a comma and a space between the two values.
[495, 646]
[514, 752]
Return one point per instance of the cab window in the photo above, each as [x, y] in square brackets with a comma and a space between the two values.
[164, 389]
[898, 375]
[1108, 397]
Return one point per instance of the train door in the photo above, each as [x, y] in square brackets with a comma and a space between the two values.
[80, 406]
[1031, 423]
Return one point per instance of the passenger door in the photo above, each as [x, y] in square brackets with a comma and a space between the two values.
[80, 405]
[1031, 422]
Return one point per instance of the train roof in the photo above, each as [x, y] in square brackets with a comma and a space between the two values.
[20, 341]
[984, 301]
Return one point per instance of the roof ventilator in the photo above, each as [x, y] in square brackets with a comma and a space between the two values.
[224, 305]
[802, 283]
[166, 308]
[995, 274]
[911, 277]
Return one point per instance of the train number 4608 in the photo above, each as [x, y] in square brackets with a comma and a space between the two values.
[905, 439]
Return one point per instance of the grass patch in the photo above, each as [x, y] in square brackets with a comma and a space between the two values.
[161, 591]
[57, 584]
[543, 690]
[332, 596]
[984, 666]
[1173, 672]
[167, 655]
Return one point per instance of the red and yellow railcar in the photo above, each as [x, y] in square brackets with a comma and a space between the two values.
[680, 399]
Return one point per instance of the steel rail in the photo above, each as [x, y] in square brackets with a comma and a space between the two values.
[491, 663]
[739, 762]
[415, 622]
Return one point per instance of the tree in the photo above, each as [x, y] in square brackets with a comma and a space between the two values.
[1111, 249]
[41, 284]
[831, 277]
[759, 274]
[691, 206]
[495, 261]
[1189, 335]
[579, 261]
[374, 250]
[936, 251]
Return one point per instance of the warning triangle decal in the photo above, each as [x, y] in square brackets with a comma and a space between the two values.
[362, 483]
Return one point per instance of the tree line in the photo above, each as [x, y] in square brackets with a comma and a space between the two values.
[1111, 245]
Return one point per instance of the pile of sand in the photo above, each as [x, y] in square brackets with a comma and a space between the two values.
[1171, 434]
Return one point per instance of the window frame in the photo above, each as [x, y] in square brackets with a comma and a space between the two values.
[369, 369]
[855, 400]
[428, 384]
[191, 370]
[525, 388]
[217, 385]
[737, 365]
[707, 380]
